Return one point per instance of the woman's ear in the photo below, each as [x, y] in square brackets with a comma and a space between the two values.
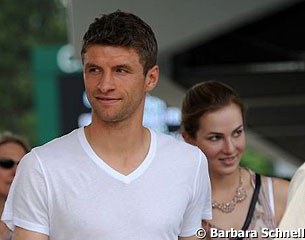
[188, 138]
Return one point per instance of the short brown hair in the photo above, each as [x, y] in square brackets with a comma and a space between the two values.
[123, 29]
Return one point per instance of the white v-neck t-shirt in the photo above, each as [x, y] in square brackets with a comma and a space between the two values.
[63, 189]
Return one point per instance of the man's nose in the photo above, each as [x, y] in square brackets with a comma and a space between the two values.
[106, 83]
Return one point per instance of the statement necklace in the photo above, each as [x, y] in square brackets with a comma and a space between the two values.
[240, 195]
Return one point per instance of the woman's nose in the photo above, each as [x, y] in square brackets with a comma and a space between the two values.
[229, 146]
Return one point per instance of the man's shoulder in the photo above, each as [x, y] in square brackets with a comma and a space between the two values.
[301, 169]
[55, 153]
[173, 139]
[66, 141]
[297, 180]
[176, 144]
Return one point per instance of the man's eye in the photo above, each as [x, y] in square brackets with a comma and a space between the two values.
[121, 70]
[93, 70]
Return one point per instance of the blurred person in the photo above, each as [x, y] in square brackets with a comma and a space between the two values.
[12, 149]
[294, 216]
[113, 179]
[213, 119]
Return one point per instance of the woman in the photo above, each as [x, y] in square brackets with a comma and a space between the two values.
[213, 119]
[12, 149]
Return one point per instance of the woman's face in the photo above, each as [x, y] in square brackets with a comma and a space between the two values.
[221, 137]
[15, 152]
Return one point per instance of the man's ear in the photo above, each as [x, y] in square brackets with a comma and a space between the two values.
[151, 78]
[187, 138]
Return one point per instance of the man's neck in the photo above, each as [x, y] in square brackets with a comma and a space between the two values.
[122, 147]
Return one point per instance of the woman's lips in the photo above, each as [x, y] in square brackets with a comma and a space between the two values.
[228, 160]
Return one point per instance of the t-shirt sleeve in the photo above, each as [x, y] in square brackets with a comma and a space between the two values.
[26, 205]
[200, 207]
[207, 192]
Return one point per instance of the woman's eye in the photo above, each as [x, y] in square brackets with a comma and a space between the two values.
[238, 132]
[214, 138]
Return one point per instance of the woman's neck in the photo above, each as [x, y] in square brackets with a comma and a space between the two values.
[225, 181]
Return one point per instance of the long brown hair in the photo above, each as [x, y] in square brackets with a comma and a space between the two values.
[206, 97]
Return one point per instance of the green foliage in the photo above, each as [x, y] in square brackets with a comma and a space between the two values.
[257, 162]
[24, 25]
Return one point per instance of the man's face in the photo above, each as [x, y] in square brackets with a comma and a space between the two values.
[115, 84]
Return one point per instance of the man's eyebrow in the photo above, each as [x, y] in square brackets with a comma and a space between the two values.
[126, 67]
[90, 65]
[123, 66]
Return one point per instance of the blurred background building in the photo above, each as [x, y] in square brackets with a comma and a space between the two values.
[255, 46]
[258, 47]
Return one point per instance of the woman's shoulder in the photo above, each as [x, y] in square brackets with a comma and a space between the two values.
[280, 186]
[280, 182]
[280, 189]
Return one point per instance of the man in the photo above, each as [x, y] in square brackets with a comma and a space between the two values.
[113, 179]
